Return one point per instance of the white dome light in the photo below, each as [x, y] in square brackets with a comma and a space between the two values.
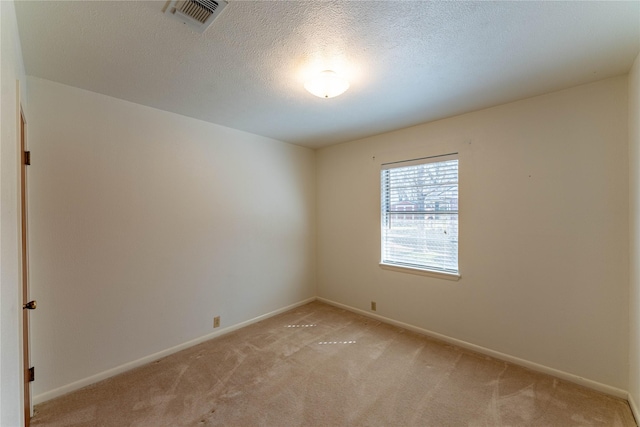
[327, 85]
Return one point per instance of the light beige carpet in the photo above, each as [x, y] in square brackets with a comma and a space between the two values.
[318, 365]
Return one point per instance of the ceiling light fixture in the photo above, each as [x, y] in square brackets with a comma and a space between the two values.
[327, 84]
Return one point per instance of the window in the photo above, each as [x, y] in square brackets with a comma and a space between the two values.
[427, 237]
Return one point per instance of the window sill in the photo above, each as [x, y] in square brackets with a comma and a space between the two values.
[421, 272]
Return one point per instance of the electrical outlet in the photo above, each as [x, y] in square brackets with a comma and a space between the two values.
[216, 322]
[373, 306]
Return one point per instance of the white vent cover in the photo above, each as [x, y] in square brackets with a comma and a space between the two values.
[199, 14]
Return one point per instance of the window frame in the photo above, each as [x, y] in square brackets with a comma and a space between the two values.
[416, 269]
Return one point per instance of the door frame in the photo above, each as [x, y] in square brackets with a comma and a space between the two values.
[24, 261]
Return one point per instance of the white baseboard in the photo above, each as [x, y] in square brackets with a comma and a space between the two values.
[613, 391]
[43, 397]
[634, 408]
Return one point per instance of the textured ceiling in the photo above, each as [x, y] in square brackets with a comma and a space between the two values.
[408, 61]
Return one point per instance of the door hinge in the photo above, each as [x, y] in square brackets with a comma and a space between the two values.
[32, 374]
[27, 158]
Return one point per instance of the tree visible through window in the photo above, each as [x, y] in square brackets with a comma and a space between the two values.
[420, 214]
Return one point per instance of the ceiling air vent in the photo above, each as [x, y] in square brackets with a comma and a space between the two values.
[199, 14]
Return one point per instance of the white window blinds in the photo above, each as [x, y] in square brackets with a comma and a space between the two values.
[420, 214]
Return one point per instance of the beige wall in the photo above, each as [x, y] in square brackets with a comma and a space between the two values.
[634, 232]
[543, 231]
[13, 93]
[144, 225]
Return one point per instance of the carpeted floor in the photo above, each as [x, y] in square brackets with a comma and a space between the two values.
[318, 365]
